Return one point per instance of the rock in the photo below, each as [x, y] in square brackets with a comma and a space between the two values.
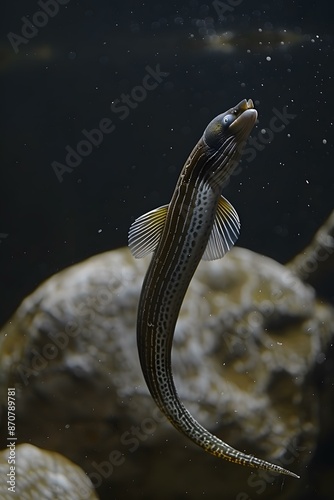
[41, 474]
[249, 336]
[315, 265]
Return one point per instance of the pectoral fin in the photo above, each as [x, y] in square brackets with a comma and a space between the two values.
[145, 232]
[225, 231]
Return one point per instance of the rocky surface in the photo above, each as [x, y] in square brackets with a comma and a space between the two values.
[41, 474]
[248, 339]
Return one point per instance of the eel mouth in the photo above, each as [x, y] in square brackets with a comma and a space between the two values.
[246, 116]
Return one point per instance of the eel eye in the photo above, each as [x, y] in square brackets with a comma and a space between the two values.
[227, 120]
[214, 132]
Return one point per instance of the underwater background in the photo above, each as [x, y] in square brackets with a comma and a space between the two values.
[103, 102]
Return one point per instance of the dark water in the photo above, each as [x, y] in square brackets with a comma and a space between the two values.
[59, 83]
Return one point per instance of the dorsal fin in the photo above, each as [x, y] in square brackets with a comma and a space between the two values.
[225, 231]
[145, 232]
